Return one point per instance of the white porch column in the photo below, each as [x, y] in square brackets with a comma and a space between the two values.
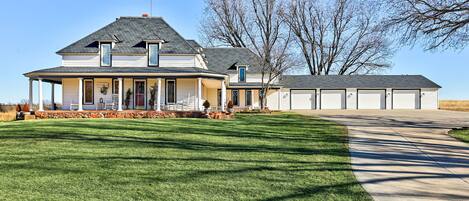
[223, 95]
[119, 104]
[41, 101]
[80, 94]
[199, 94]
[158, 96]
[52, 95]
[30, 94]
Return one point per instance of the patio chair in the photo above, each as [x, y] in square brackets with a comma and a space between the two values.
[72, 105]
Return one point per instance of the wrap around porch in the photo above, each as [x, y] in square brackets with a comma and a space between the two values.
[134, 93]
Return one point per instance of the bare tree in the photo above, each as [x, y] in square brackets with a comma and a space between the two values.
[339, 37]
[436, 23]
[257, 25]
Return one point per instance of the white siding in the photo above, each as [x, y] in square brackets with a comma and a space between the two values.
[351, 99]
[81, 61]
[285, 99]
[250, 78]
[69, 92]
[129, 61]
[186, 90]
[179, 61]
[134, 61]
[273, 98]
[429, 99]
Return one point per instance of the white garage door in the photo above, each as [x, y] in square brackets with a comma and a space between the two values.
[332, 99]
[372, 99]
[405, 99]
[303, 99]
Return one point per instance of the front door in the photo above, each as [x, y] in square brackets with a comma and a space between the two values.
[139, 95]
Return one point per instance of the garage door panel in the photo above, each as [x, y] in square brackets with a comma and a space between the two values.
[406, 99]
[303, 99]
[333, 99]
[372, 99]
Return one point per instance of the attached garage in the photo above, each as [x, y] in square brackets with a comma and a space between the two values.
[406, 99]
[371, 99]
[333, 99]
[302, 99]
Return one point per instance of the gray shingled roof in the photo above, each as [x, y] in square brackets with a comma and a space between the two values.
[132, 32]
[225, 60]
[194, 44]
[357, 81]
[79, 70]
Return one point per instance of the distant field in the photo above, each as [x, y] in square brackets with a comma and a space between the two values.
[455, 105]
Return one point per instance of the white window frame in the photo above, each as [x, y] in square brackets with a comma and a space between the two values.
[101, 52]
[157, 55]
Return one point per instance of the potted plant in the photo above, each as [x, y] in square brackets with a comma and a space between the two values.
[128, 96]
[230, 106]
[206, 106]
[152, 97]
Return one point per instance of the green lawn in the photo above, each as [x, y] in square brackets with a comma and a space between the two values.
[254, 157]
[462, 134]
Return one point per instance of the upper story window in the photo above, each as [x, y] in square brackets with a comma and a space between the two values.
[242, 73]
[153, 54]
[105, 54]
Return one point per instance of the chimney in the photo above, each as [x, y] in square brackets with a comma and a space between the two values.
[145, 15]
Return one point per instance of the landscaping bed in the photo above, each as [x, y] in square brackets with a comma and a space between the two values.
[460, 134]
[250, 157]
[129, 114]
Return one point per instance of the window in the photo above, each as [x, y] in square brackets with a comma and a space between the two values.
[153, 57]
[115, 86]
[242, 74]
[171, 91]
[235, 97]
[248, 97]
[219, 97]
[88, 98]
[105, 54]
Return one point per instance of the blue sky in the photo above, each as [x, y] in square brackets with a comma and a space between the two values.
[32, 31]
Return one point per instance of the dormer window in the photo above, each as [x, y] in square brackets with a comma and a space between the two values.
[153, 54]
[242, 73]
[105, 50]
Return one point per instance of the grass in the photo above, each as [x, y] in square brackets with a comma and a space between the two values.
[461, 105]
[253, 157]
[7, 116]
[460, 134]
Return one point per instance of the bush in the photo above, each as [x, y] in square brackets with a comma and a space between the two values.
[206, 104]
[25, 108]
[230, 104]
[18, 108]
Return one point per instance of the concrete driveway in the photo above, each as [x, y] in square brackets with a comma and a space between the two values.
[406, 155]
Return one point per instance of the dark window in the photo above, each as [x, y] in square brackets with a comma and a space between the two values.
[248, 97]
[88, 92]
[153, 57]
[115, 86]
[242, 74]
[235, 97]
[219, 97]
[105, 54]
[171, 91]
